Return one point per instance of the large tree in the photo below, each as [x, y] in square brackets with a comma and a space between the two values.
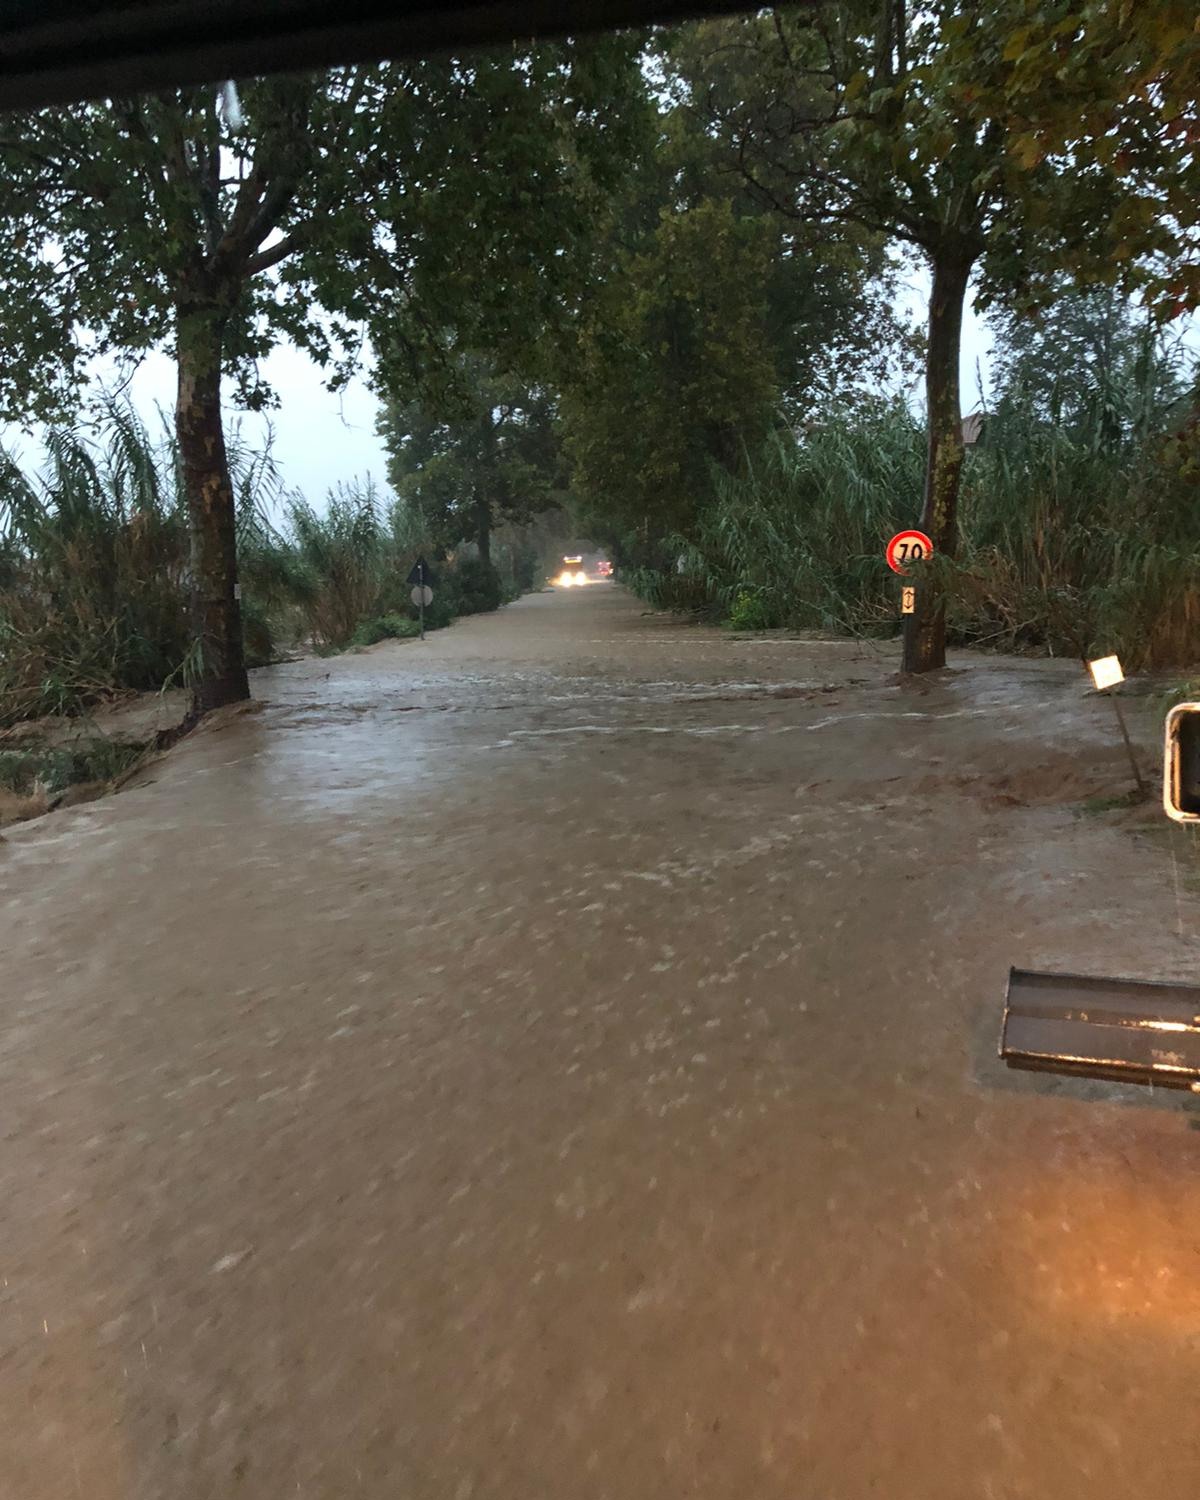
[706, 321]
[1003, 144]
[671, 373]
[1090, 365]
[486, 455]
[394, 198]
[842, 114]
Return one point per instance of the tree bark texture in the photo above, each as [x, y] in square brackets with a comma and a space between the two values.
[212, 522]
[925, 630]
[483, 528]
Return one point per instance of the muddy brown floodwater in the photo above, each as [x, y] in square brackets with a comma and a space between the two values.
[558, 1062]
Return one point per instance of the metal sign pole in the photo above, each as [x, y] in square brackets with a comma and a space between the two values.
[421, 606]
[1107, 676]
[1133, 765]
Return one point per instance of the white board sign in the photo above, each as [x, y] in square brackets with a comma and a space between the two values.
[1106, 672]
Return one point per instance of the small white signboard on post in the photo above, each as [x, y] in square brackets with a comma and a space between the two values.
[1106, 672]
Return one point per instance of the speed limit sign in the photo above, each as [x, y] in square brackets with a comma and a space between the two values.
[907, 547]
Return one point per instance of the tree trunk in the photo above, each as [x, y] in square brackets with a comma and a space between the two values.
[925, 631]
[212, 523]
[483, 528]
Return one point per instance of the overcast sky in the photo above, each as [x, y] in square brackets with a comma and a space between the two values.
[321, 439]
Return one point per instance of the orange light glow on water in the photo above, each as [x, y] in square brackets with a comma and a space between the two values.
[1107, 1249]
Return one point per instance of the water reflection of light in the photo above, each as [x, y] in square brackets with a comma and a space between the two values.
[1106, 1248]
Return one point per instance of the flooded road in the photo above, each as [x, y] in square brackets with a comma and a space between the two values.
[558, 1060]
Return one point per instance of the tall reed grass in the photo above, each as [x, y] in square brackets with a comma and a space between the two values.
[93, 558]
[1070, 544]
[94, 567]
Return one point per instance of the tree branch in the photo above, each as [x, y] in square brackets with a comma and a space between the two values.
[273, 254]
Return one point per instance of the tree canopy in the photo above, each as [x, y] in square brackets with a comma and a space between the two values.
[707, 320]
[645, 258]
[366, 202]
[489, 457]
[1110, 91]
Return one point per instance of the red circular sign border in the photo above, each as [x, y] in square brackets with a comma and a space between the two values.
[901, 536]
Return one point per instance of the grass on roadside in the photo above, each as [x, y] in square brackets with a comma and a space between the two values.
[34, 765]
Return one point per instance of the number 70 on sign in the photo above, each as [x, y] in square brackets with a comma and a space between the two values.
[907, 547]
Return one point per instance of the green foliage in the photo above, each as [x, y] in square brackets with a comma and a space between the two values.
[385, 628]
[1086, 365]
[688, 590]
[828, 285]
[353, 560]
[751, 610]
[708, 317]
[93, 556]
[363, 190]
[476, 587]
[443, 611]
[344, 557]
[672, 373]
[382, 196]
[34, 766]
[483, 457]
[843, 111]
[1078, 512]
[518, 564]
[1109, 90]
[1001, 143]
[652, 262]
[796, 538]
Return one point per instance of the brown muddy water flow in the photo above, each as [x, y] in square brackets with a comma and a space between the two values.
[558, 1062]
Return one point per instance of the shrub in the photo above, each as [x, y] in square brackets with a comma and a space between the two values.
[94, 564]
[384, 628]
[93, 567]
[476, 586]
[52, 768]
[342, 556]
[750, 611]
[442, 611]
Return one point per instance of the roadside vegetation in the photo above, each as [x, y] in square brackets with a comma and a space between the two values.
[1079, 506]
[39, 773]
[94, 567]
[666, 305]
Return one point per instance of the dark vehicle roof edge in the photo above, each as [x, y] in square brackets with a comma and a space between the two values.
[58, 51]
